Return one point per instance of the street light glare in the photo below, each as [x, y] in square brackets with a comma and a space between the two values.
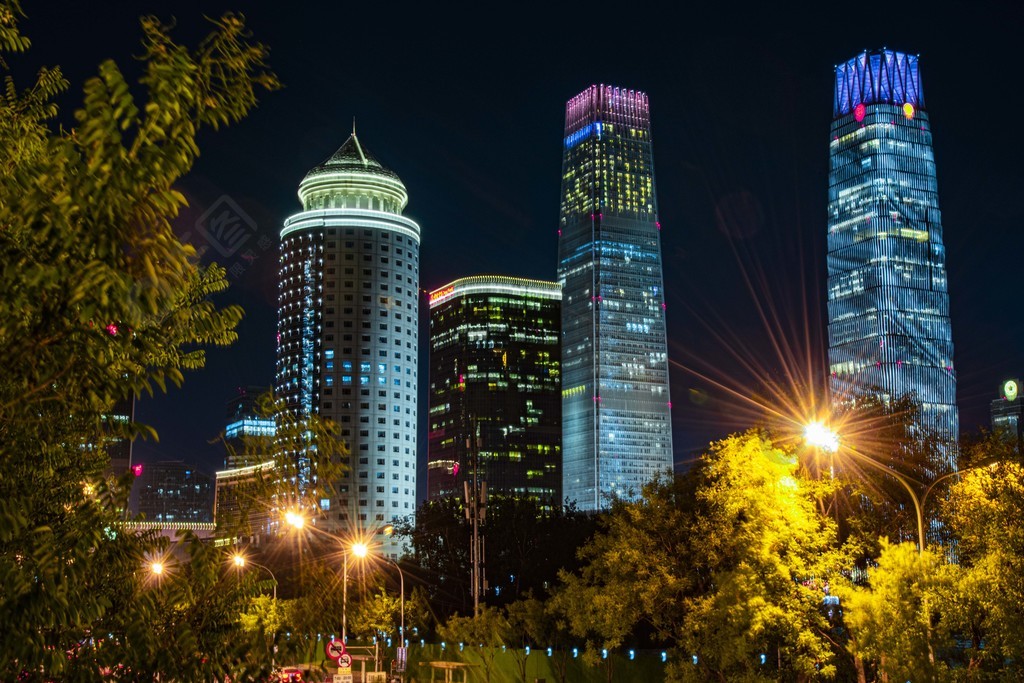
[360, 549]
[817, 434]
[157, 568]
[239, 561]
[295, 519]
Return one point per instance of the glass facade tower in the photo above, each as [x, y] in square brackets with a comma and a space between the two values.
[888, 307]
[616, 423]
[495, 390]
[348, 320]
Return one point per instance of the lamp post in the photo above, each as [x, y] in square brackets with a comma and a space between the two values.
[240, 562]
[821, 436]
[358, 548]
[817, 434]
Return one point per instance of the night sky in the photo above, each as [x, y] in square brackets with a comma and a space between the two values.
[467, 107]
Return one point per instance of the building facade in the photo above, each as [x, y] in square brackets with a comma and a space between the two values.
[347, 332]
[888, 307]
[119, 448]
[616, 421]
[1006, 411]
[247, 423]
[495, 388]
[172, 492]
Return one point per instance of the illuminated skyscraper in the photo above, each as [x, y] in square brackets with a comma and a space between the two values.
[246, 424]
[616, 423]
[495, 391]
[888, 307]
[347, 330]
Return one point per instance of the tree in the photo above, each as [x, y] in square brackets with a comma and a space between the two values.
[985, 512]
[526, 545]
[481, 635]
[296, 468]
[376, 616]
[728, 563]
[99, 300]
[896, 622]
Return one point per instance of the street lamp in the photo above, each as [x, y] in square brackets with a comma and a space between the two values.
[157, 568]
[240, 562]
[817, 434]
[821, 436]
[359, 549]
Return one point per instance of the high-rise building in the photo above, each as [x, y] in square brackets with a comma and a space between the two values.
[247, 422]
[347, 331]
[119, 448]
[239, 502]
[616, 422]
[1007, 411]
[172, 492]
[495, 390]
[888, 308]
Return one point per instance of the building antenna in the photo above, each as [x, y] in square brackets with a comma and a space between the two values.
[353, 125]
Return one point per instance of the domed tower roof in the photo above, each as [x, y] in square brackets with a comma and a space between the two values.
[349, 174]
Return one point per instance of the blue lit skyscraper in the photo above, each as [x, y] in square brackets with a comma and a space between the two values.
[616, 424]
[888, 308]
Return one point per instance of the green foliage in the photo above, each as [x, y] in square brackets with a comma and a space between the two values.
[275, 487]
[726, 563]
[895, 622]
[376, 615]
[985, 511]
[482, 635]
[100, 301]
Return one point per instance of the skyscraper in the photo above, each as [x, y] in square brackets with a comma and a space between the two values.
[616, 423]
[347, 331]
[495, 390]
[888, 308]
[246, 422]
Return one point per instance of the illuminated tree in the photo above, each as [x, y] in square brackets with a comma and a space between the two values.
[729, 563]
[99, 300]
[985, 512]
[896, 622]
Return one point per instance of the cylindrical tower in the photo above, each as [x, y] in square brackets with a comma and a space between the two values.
[347, 331]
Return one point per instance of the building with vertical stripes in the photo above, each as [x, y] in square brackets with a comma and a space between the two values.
[888, 306]
[616, 421]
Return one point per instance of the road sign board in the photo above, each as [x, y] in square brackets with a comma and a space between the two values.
[342, 678]
[336, 649]
[345, 661]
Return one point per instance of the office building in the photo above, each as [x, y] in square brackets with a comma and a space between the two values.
[172, 492]
[616, 422]
[495, 388]
[119, 448]
[248, 426]
[888, 307]
[1007, 411]
[347, 332]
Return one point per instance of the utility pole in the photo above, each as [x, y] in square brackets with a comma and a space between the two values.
[476, 512]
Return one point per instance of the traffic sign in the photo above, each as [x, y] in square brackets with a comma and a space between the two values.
[336, 650]
[345, 661]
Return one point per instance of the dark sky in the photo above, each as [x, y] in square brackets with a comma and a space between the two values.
[467, 107]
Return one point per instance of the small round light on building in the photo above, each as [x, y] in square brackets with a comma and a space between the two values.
[908, 110]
